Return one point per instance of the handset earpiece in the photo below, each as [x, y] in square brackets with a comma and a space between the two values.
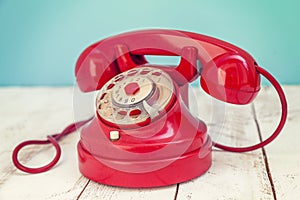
[231, 78]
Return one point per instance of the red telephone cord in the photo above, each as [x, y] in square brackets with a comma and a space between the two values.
[53, 139]
[71, 128]
[284, 109]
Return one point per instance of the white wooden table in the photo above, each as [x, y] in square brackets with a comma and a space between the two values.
[269, 173]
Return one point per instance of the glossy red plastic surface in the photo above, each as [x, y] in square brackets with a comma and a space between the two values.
[181, 169]
[228, 72]
[173, 148]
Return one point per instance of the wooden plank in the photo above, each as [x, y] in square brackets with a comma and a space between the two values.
[32, 113]
[232, 175]
[21, 118]
[99, 191]
[246, 172]
[39, 117]
[283, 153]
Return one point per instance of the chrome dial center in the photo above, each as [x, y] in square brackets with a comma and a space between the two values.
[135, 95]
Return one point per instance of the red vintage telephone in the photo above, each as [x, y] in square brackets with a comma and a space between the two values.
[143, 134]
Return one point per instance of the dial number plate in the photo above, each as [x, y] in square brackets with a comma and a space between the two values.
[135, 95]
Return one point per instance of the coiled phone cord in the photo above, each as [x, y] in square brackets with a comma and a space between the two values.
[53, 139]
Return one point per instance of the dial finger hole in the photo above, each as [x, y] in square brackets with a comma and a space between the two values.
[103, 106]
[110, 86]
[146, 71]
[135, 113]
[119, 78]
[132, 72]
[108, 111]
[156, 73]
[121, 114]
[102, 96]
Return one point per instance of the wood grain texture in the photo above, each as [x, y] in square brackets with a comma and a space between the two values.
[232, 175]
[32, 113]
[283, 153]
[98, 191]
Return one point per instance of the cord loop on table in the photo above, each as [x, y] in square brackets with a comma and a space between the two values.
[51, 139]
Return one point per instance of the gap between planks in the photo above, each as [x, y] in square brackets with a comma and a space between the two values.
[266, 163]
[264, 153]
[81, 192]
[88, 183]
[176, 191]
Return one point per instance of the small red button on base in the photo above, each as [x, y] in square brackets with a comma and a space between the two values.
[132, 88]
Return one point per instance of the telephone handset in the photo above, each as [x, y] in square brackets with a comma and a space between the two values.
[143, 134]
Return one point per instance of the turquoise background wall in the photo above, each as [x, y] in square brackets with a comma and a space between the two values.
[41, 40]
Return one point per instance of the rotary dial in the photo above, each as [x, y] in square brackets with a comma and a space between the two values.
[135, 96]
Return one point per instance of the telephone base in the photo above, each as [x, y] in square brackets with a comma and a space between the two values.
[180, 169]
